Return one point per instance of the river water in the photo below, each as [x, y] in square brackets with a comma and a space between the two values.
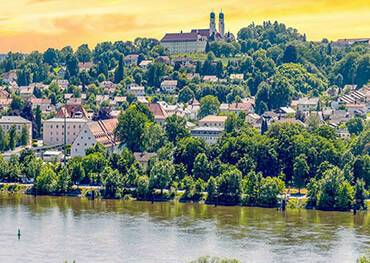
[59, 229]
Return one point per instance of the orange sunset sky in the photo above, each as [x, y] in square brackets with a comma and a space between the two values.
[27, 25]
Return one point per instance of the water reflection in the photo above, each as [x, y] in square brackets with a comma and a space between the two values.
[129, 231]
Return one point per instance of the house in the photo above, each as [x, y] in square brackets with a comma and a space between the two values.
[95, 132]
[101, 98]
[163, 59]
[343, 133]
[44, 104]
[237, 107]
[305, 104]
[108, 86]
[131, 59]
[72, 111]
[7, 122]
[169, 86]
[119, 100]
[254, 120]
[213, 121]
[62, 83]
[145, 63]
[85, 66]
[136, 90]
[5, 103]
[210, 78]
[237, 77]
[53, 130]
[4, 94]
[356, 108]
[26, 91]
[10, 76]
[143, 158]
[284, 111]
[159, 113]
[209, 134]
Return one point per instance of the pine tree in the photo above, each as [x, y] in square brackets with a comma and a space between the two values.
[119, 72]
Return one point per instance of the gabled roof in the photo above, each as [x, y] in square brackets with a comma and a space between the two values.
[71, 111]
[158, 111]
[103, 131]
[180, 37]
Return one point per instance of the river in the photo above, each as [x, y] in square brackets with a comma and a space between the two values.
[56, 229]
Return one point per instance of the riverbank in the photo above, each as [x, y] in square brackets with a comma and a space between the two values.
[294, 201]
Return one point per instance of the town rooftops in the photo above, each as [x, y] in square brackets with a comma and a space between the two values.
[180, 37]
[14, 119]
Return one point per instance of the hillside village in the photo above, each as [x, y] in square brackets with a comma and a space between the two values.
[161, 98]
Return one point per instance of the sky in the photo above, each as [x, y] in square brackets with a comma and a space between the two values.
[27, 25]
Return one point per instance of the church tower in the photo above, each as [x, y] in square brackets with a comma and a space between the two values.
[212, 24]
[221, 24]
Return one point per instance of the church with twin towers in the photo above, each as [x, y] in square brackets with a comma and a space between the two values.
[196, 40]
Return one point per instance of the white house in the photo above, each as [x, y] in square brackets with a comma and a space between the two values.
[169, 86]
[53, 130]
[95, 132]
[136, 90]
[7, 122]
[209, 134]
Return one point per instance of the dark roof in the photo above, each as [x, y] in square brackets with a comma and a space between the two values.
[202, 32]
[180, 37]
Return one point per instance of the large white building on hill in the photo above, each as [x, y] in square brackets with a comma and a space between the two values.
[196, 40]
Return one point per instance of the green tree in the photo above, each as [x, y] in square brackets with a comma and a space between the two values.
[175, 128]
[185, 95]
[201, 167]
[153, 138]
[24, 137]
[208, 105]
[38, 121]
[112, 182]
[229, 185]
[13, 137]
[161, 175]
[83, 53]
[119, 72]
[131, 127]
[355, 126]
[211, 188]
[360, 194]
[271, 187]
[300, 171]
[46, 181]
[187, 150]
[142, 189]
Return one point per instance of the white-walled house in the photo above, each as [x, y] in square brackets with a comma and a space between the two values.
[95, 132]
[169, 86]
[7, 122]
[53, 130]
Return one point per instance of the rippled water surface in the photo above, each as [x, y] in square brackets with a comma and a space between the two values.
[56, 229]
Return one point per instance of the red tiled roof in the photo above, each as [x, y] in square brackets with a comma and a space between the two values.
[157, 110]
[103, 131]
[69, 111]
